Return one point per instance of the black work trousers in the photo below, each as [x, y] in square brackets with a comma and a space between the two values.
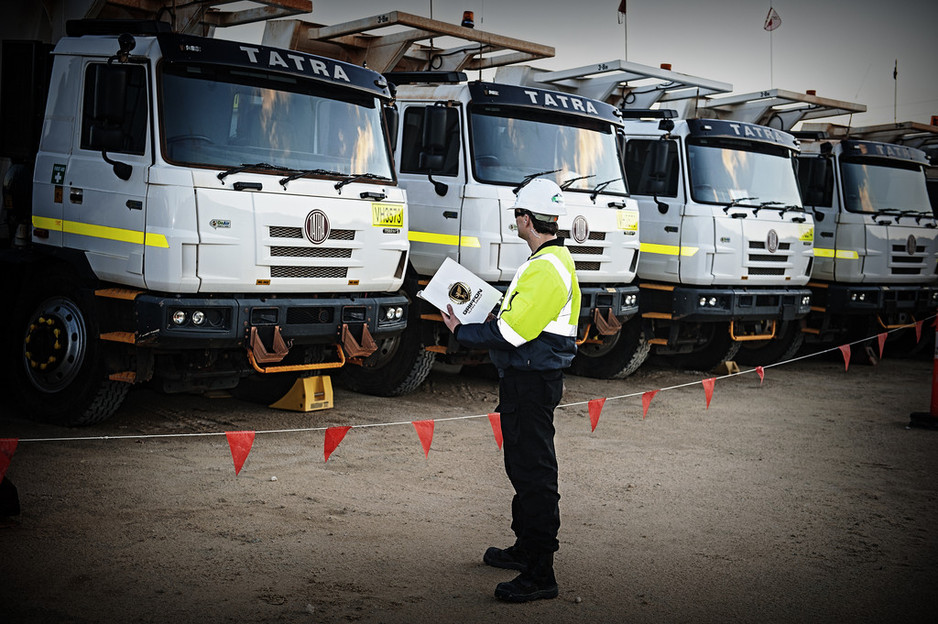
[526, 403]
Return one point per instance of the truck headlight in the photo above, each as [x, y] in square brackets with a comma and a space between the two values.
[179, 317]
[198, 317]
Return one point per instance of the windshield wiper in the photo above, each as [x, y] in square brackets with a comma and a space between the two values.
[768, 204]
[736, 201]
[308, 172]
[530, 177]
[600, 187]
[246, 166]
[566, 183]
[358, 176]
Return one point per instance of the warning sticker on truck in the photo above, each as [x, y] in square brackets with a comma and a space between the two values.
[383, 215]
[806, 234]
[627, 220]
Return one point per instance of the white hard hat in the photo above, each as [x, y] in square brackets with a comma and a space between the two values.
[543, 198]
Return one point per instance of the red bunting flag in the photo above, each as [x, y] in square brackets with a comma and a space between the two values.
[646, 401]
[240, 443]
[334, 436]
[882, 341]
[708, 389]
[595, 408]
[496, 419]
[918, 331]
[772, 20]
[761, 372]
[845, 349]
[7, 447]
[425, 433]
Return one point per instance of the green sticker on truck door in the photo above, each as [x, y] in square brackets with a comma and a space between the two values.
[58, 174]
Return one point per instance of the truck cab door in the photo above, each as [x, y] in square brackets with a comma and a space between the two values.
[816, 183]
[105, 180]
[653, 173]
[431, 170]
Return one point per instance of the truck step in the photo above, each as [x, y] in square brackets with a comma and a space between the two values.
[436, 348]
[125, 337]
[128, 294]
[657, 315]
[125, 376]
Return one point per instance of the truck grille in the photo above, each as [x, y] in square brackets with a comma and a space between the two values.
[766, 271]
[283, 231]
[586, 266]
[584, 249]
[308, 272]
[310, 252]
[593, 236]
[904, 264]
[758, 255]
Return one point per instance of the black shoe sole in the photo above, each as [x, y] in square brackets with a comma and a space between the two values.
[508, 596]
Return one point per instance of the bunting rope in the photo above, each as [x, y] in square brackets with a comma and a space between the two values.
[242, 440]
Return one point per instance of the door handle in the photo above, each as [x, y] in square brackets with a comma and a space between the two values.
[449, 214]
[75, 195]
[827, 234]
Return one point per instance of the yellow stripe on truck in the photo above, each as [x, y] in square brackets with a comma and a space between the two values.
[443, 239]
[840, 254]
[101, 231]
[668, 250]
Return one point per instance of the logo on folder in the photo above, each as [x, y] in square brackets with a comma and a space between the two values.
[460, 292]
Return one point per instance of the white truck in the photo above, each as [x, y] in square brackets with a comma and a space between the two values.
[726, 246]
[876, 237]
[875, 240]
[463, 150]
[192, 211]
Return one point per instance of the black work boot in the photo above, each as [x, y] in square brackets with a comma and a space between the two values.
[533, 584]
[508, 558]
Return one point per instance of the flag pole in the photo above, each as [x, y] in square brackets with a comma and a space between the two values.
[895, 93]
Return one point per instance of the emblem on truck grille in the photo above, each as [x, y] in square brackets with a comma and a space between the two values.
[771, 242]
[910, 245]
[459, 292]
[580, 230]
[317, 227]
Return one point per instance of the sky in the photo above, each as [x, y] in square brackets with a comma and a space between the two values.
[842, 49]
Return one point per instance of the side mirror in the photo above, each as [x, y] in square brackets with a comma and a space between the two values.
[434, 145]
[434, 129]
[659, 160]
[391, 119]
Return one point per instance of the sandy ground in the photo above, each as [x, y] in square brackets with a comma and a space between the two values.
[805, 499]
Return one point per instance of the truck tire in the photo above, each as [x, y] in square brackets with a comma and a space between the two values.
[618, 357]
[57, 363]
[762, 352]
[399, 365]
[718, 348]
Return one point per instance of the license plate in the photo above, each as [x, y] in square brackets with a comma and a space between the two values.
[387, 215]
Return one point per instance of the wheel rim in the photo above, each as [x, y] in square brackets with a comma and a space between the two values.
[54, 345]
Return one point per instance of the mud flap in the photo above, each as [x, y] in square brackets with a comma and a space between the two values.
[606, 326]
[264, 356]
[308, 394]
[358, 349]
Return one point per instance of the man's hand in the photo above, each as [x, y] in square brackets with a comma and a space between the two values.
[450, 319]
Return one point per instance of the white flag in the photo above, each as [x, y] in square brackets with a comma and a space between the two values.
[772, 20]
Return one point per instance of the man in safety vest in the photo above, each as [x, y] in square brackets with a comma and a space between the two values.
[531, 341]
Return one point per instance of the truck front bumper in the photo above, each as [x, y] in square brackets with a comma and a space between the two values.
[621, 300]
[173, 321]
[723, 304]
[858, 299]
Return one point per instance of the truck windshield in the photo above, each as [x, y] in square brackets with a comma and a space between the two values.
[874, 187]
[223, 119]
[724, 174]
[509, 144]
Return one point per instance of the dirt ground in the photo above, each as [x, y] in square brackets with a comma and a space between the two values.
[804, 499]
